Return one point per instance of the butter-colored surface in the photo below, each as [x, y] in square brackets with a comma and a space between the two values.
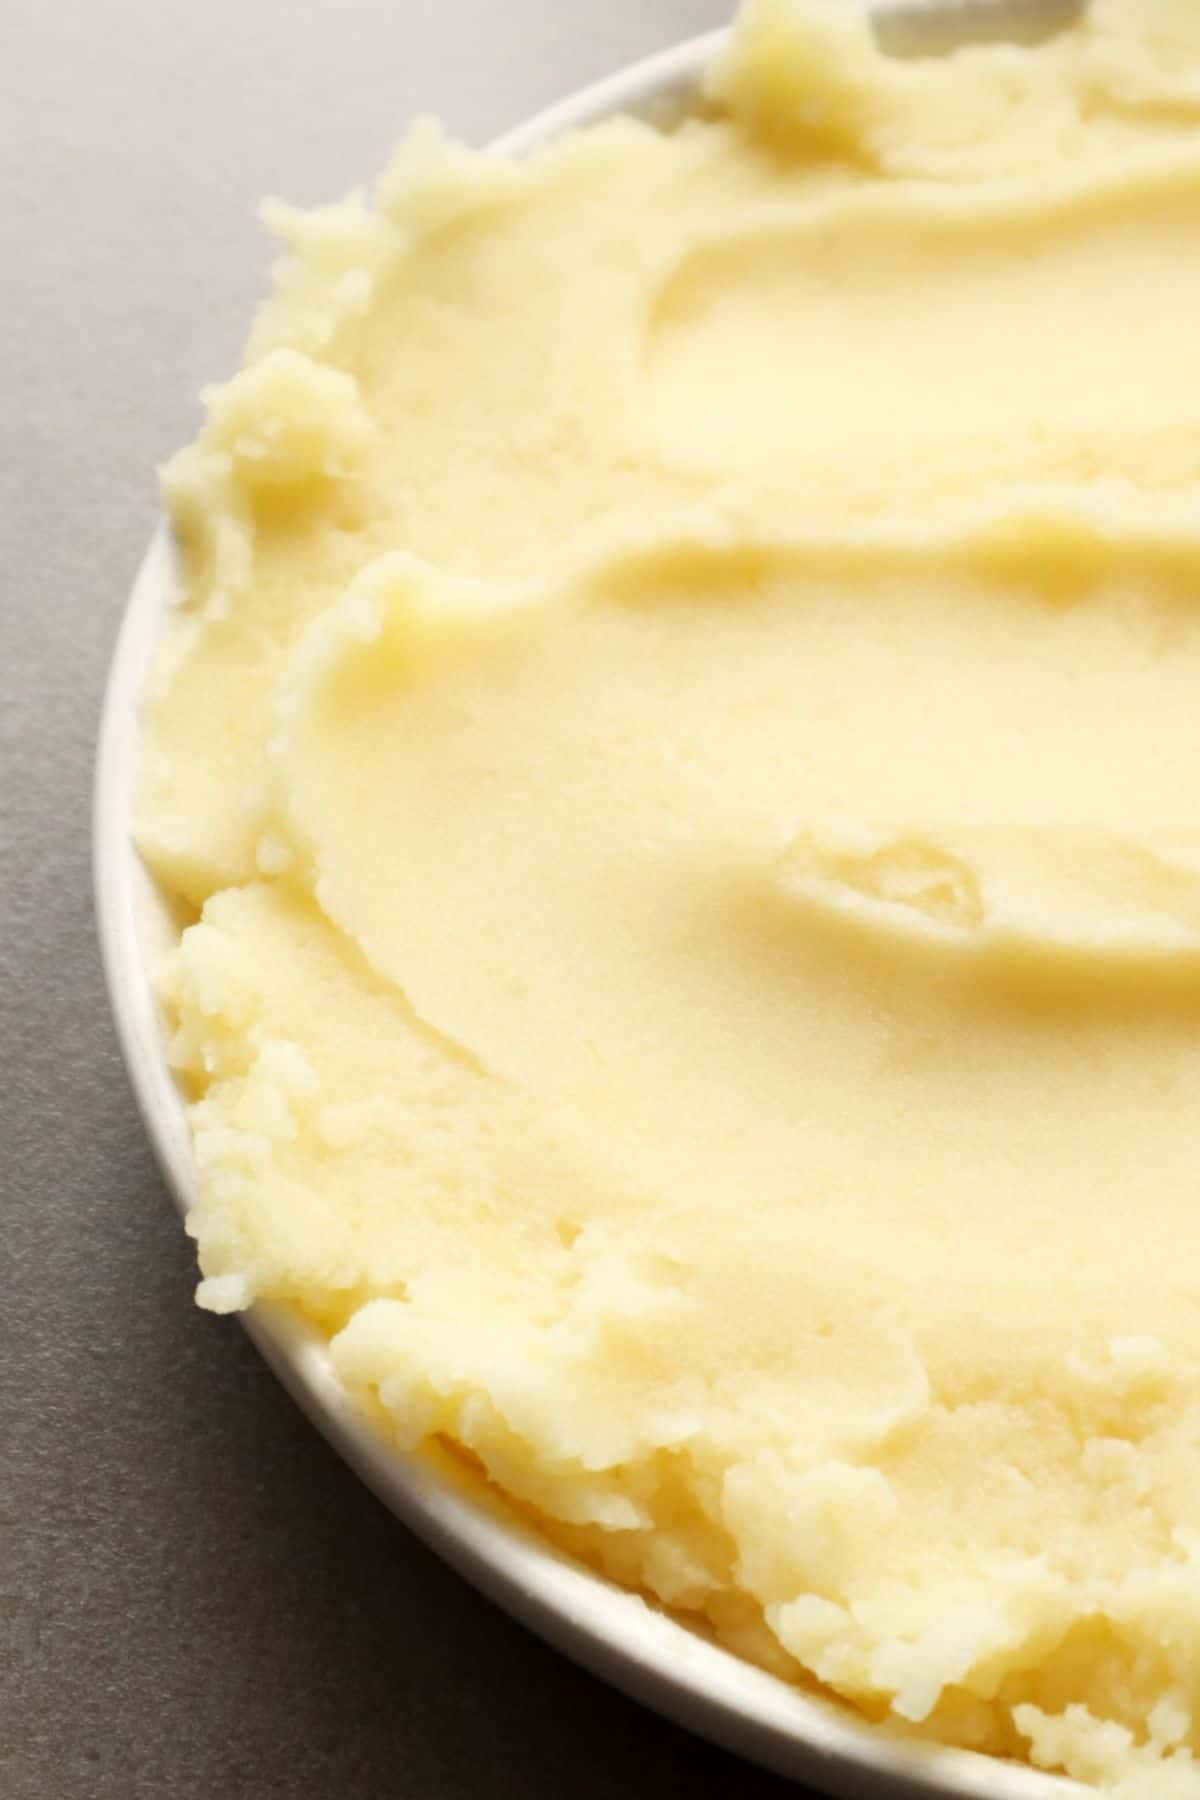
[682, 723]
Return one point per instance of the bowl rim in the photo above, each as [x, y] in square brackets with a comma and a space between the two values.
[614, 1633]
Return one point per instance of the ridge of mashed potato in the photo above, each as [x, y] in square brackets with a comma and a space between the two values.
[677, 736]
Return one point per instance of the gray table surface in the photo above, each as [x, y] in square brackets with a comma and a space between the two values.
[196, 1598]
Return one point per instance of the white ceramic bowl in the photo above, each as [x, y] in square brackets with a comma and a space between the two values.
[613, 1633]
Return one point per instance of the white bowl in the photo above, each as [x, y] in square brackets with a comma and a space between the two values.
[614, 1633]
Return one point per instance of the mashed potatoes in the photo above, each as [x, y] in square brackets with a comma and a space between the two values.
[681, 736]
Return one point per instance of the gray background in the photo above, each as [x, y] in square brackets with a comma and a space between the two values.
[195, 1597]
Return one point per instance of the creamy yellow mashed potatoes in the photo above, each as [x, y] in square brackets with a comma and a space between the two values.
[681, 734]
